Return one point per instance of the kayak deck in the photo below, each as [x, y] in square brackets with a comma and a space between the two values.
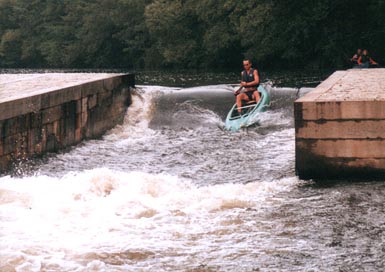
[249, 112]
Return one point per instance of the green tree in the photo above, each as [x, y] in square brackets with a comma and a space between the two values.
[175, 32]
[188, 33]
[221, 42]
[132, 33]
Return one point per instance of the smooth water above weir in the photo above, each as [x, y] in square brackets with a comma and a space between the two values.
[170, 190]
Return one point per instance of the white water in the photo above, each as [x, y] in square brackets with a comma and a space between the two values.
[103, 219]
[183, 195]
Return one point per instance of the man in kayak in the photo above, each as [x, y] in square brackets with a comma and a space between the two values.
[250, 83]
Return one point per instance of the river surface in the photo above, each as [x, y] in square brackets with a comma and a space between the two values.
[170, 190]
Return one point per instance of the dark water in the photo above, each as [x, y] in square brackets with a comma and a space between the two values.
[188, 78]
[170, 190]
[293, 79]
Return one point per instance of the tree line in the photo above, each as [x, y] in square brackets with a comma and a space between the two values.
[190, 34]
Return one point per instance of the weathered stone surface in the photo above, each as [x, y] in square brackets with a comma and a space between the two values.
[32, 92]
[105, 98]
[340, 127]
[10, 109]
[340, 110]
[344, 148]
[92, 101]
[41, 113]
[52, 114]
[350, 85]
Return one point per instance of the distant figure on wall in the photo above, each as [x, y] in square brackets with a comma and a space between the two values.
[356, 56]
[365, 61]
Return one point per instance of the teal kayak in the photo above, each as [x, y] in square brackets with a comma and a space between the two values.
[250, 111]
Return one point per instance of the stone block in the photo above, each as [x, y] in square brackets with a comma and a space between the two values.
[21, 106]
[340, 127]
[121, 97]
[92, 101]
[51, 114]
[15, 125]
[91, 88]
[46, 112]
[104, 98]
[344, 148]
[78, 135]
[52, 143]
[31, 142]
[337, 110]
[85, 104]
[21, 150]
[50, 129]
[61, 96]
[69, 110]
[84, 115]
[79, 106]
[12, 143]
[111, 83]
[36, 141]
[5, 162]
[56, 127]
[35, 119]
[311, 166]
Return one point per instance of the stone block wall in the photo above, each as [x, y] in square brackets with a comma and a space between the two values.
[340, 127]
[34, 125]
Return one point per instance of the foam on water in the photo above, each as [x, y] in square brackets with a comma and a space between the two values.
[170, 191]
[138, 116]
[70, 222]
[179, 194]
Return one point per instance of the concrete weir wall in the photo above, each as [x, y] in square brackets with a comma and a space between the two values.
[42, 113]
[340, 127]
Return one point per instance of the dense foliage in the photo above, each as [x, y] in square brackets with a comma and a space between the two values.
[188, 33]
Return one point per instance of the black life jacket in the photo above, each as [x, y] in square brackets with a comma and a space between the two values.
[365, 58]
[249, 77]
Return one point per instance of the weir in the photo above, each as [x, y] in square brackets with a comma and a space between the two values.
[42, 113]
[340, 127]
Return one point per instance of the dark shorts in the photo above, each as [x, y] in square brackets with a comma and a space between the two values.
[250, 94]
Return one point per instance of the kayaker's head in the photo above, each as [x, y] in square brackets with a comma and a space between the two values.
[247, 64]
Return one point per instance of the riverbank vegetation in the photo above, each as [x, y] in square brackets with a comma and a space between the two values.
[192, 34]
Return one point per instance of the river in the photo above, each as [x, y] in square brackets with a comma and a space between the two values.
[170, 190]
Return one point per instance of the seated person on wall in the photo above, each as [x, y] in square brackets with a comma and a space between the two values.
[365, 61]
[356, 56]
[250, 82]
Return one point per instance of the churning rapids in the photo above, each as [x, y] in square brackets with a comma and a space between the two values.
[170, 190]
